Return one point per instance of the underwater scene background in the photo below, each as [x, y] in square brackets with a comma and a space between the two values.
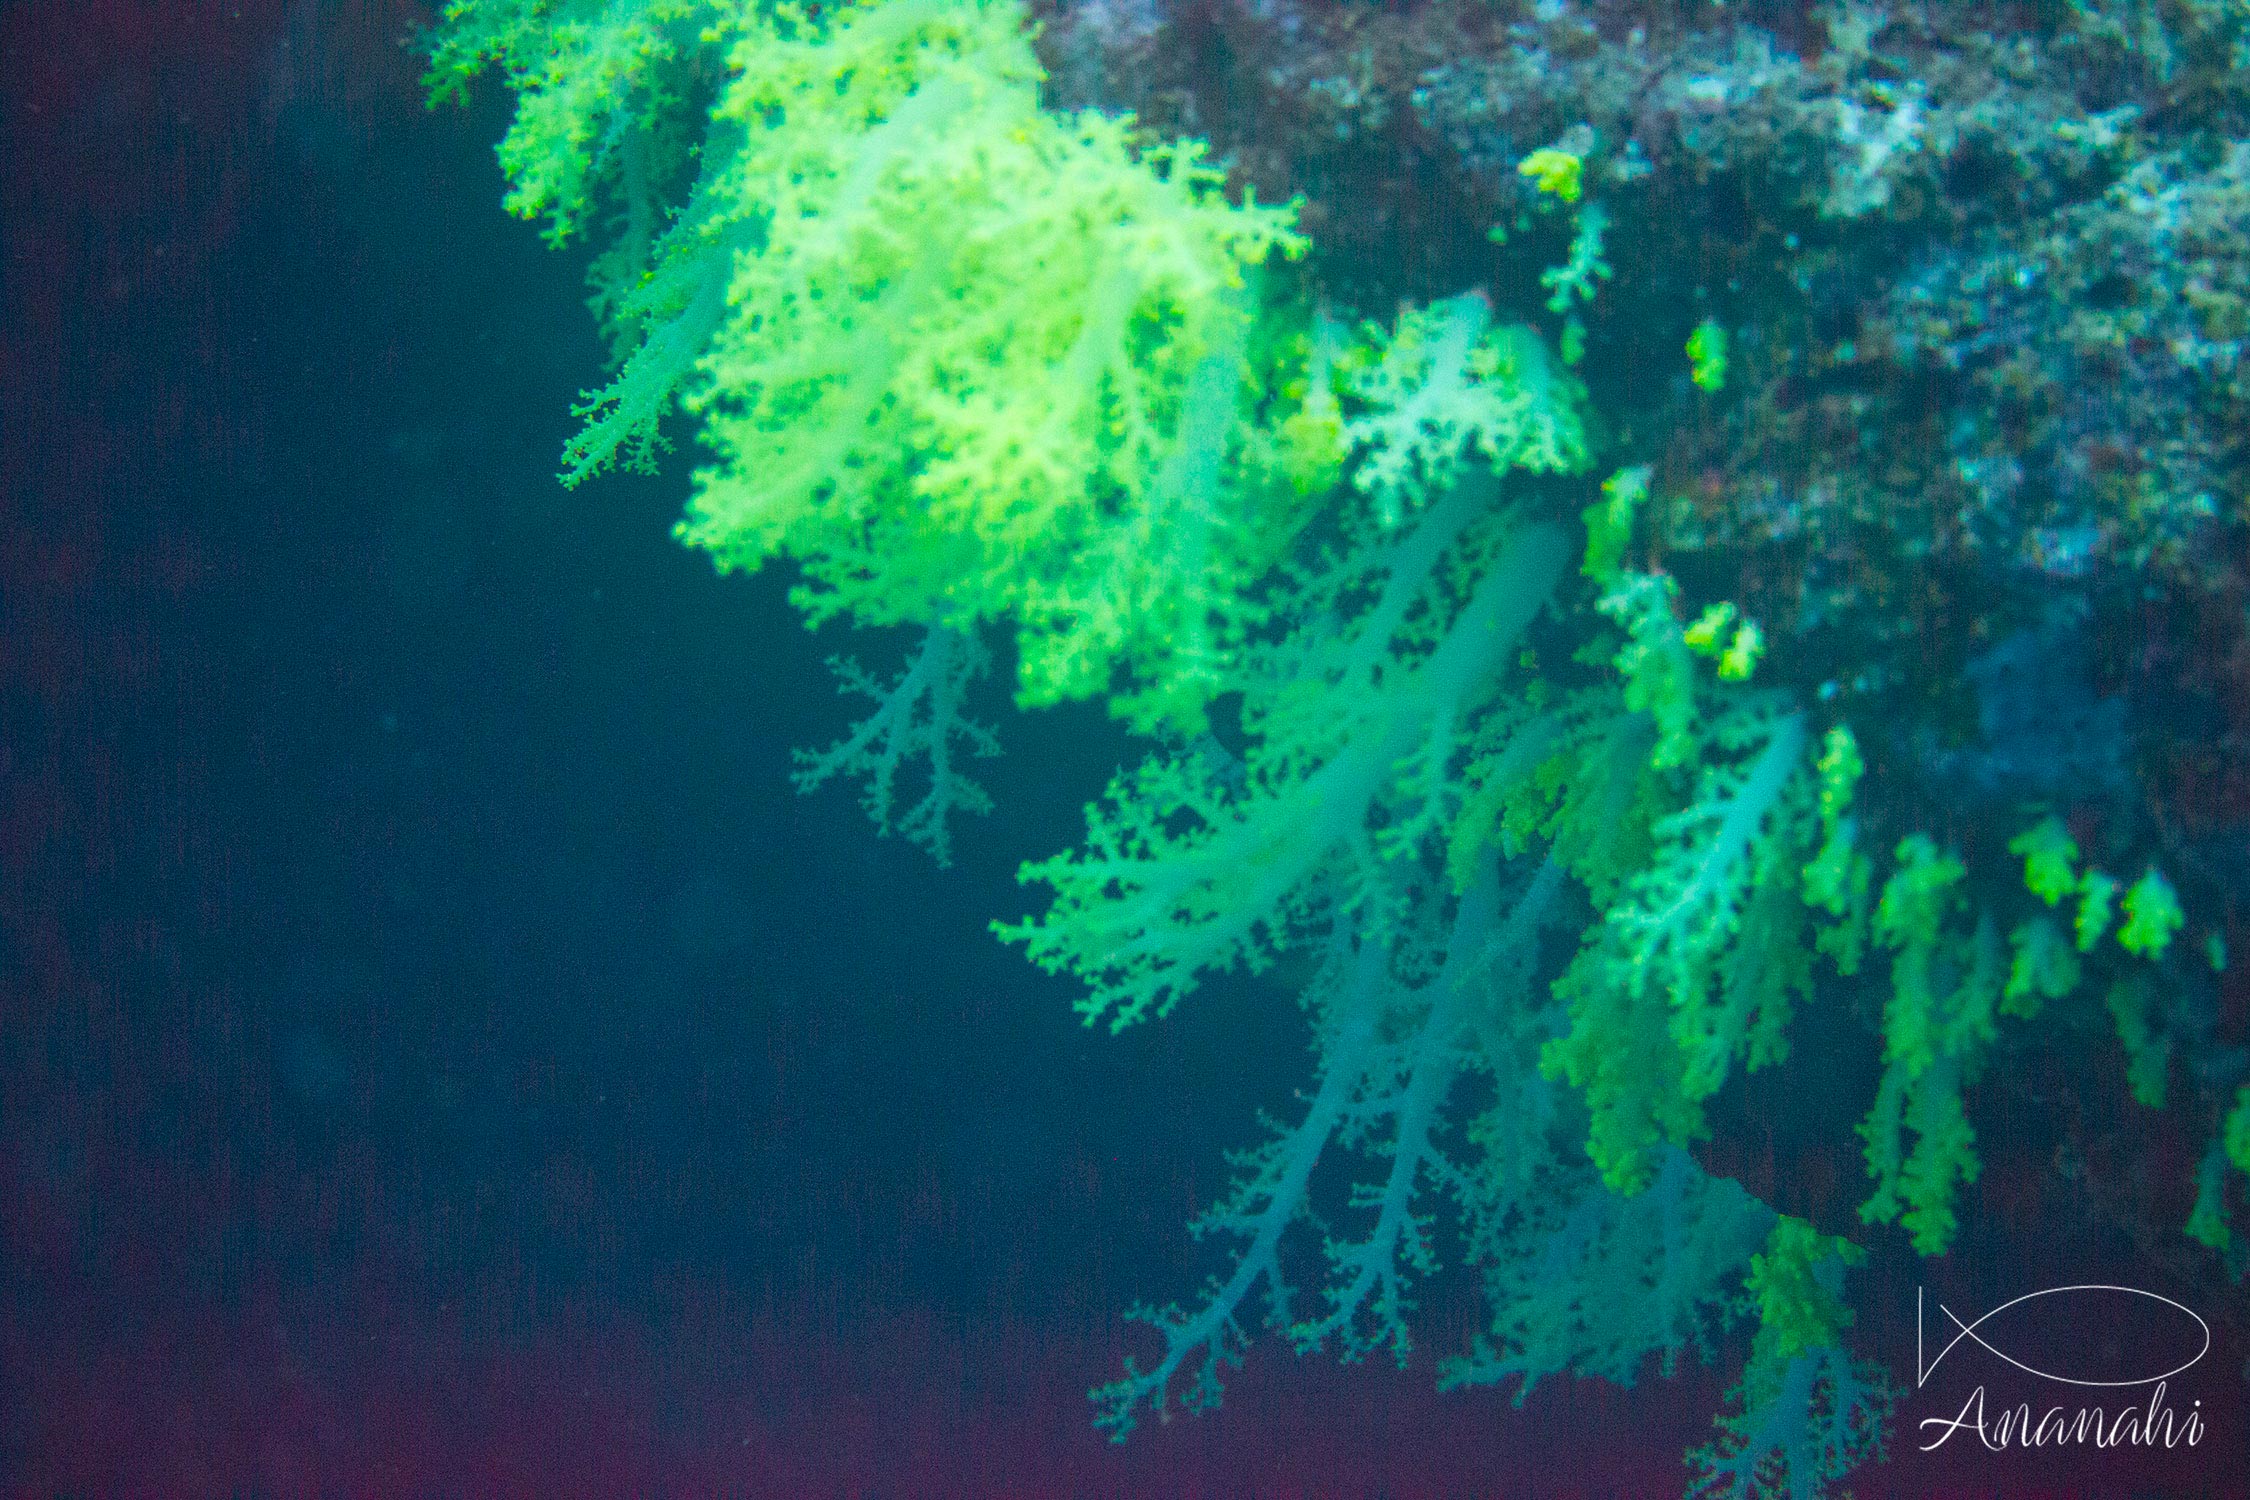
[1615, 642]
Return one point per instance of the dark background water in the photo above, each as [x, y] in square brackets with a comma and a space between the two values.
[439, 1055]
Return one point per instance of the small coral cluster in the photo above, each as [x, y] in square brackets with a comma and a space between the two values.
[1571, 837]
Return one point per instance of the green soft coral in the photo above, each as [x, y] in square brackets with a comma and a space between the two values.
[959, 357]
[1609, 523]
[593, 84]
[2148, 1051]
[1707, 355]
[1554, 171]
[2152, 915]
[2236, 1135]
[1706, 951]
[2045, 966]
[990, 361]
[1796, 1286]
[969, 362]
[2230, 1147]
[919, 715]
[1446, 387]
[2050, 859]
[1655, 664]
[1839, 877]
[1806, 1413]
[1946, 988]
[2097, 895]
[1605, 1284]
[1707, 941]
[1190, 868]
[1575, 280]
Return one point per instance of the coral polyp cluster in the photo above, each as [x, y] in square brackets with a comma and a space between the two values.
[1573, 662]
